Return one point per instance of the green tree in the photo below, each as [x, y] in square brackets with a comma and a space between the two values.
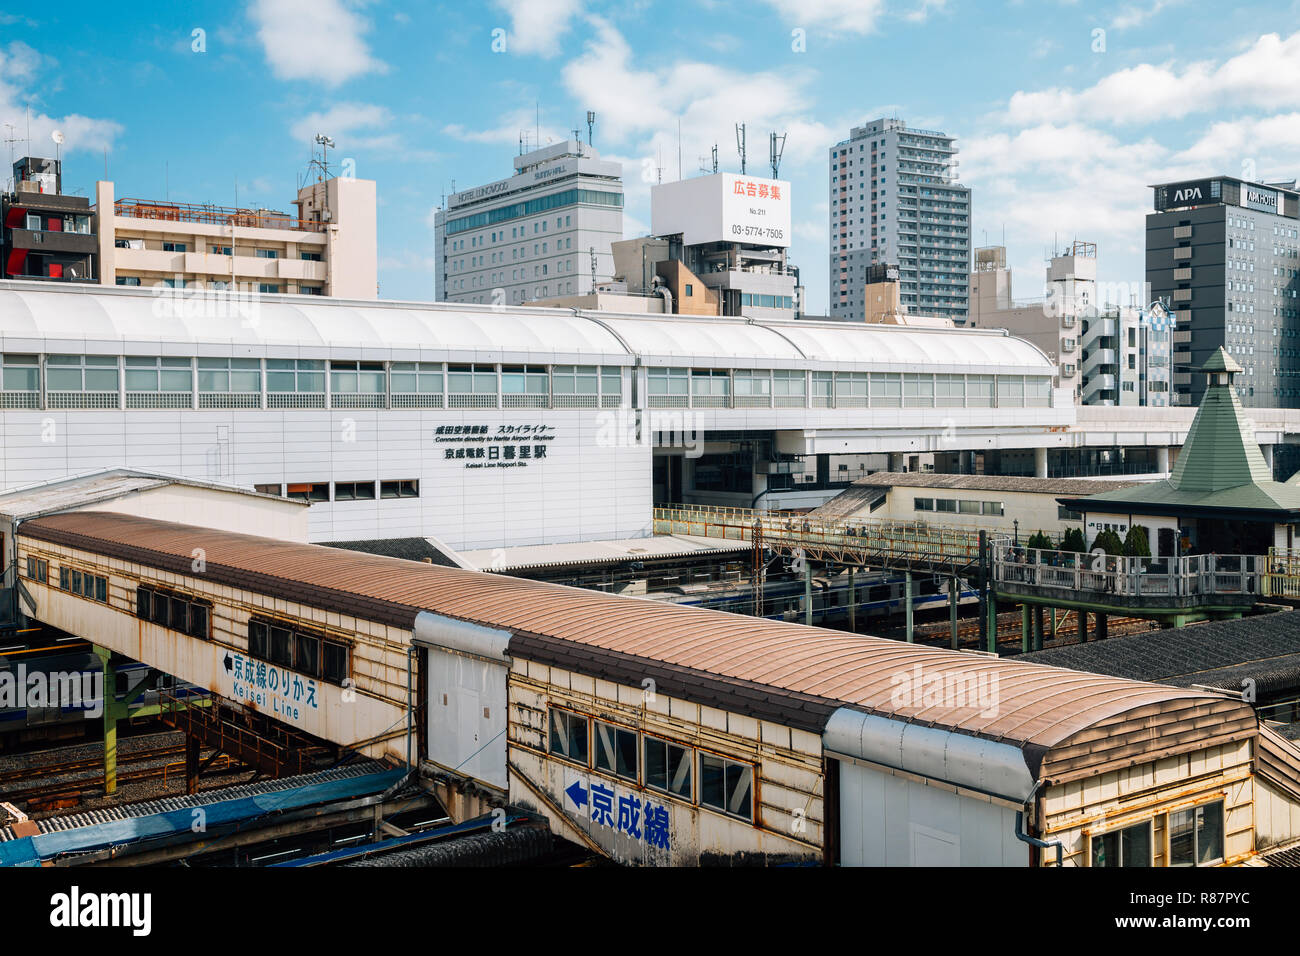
[1136, 543]
[1074, 540]
[1109, 542]
[1040, 541]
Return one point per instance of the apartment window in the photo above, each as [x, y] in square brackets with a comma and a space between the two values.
[569, 735]
[179, 612]
[950, 391]
[276, 489]
[301, 376]
[354, 383]
[753, 386]
[309, 491]
[128, 281]
[1130, 846]
[710, 387]
[163, 374]
[415, 384]
[1196, 835]
[923, 504]
[948, 505]
[789, 386]
[267, 254]
[525, 386]
[81, 381]
[311, 290]
[38, 569]
[668, 386]
[727, 785]
[668, 767]
[886, 389]
[174, 247]
[918, 390]
[310, 256]
[616, 750]
[19, 380]
[229, 383]
[968, 507]
[399, 489]
[979, 391]
[354, 491]
[222, 250]
[300, 649]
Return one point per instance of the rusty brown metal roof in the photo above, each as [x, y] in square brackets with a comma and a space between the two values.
[778, 667]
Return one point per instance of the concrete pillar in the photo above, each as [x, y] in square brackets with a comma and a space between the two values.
[1101, 627]
[1039, 615]
[1040, 462]
[1162, 459]
[991, 629]
[907, 598]
[853, 603]
[1268, 455]
[954, 593]
[1083, 626]
[807, 591]
[1025, 640]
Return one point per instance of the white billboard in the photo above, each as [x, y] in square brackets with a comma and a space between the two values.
[724, 207]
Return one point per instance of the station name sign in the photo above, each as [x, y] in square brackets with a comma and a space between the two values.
[499, 446]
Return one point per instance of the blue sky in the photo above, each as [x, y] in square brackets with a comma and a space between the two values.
[1060, 127]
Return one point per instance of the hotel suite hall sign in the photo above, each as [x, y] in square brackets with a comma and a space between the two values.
[494, 446]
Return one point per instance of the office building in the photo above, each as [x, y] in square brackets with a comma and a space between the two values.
[895, 199]
[1225, 253]
[544, 232]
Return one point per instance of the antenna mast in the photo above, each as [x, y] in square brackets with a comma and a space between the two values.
[778, 148]
[740, 145]
[591, 121]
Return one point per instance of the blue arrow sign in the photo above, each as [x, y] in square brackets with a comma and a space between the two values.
[577, 793]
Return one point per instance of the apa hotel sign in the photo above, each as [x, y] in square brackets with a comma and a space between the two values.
[1259, 198]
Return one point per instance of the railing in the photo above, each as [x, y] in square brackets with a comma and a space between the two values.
[1102, 575]
[844, 540]
[213, 215]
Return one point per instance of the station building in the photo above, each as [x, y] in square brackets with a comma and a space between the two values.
[491, 427]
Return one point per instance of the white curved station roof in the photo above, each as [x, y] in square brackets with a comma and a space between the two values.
[94, 319]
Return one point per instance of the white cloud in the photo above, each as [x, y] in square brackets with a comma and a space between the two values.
[19, 65]
[1134, 16]
[836, 16]
[1266, 75]
[351, 126]
[507, 130]
[318, 40]
[536, 26]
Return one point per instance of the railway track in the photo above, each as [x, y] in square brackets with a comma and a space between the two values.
[24, 774]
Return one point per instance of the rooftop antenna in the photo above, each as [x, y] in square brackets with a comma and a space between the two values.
[592, 250]
[11, 139]
[679, 147]
[740, 145]
[57, 136]
[715, 158]
[591, 121]
[659, 169]
[537, 122]
[778, 148]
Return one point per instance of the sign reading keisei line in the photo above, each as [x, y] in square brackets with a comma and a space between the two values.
[626, 813]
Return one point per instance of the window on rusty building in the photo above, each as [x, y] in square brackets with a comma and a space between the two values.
[668, 767]
[1196, 835]
[569, 735]
[727, 786]
[1130, 846]
[616, 751]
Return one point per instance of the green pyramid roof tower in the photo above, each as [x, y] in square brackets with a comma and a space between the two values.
[1220, 451]
[1219, 471]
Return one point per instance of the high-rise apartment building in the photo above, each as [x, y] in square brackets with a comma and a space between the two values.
[1106, 353]
[544, 232]
[895, 199]
[1226, 253]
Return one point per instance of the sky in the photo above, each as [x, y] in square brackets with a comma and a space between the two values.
[1064, 112]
